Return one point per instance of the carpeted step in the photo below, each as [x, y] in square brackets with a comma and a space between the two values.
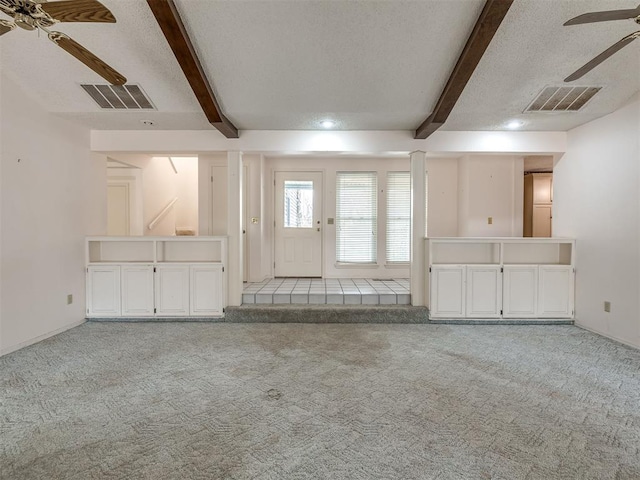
[326, 314]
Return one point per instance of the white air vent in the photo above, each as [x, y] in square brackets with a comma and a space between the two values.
[121, 97]
[562, 99]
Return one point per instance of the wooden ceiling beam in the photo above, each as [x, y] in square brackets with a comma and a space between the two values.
[168, 17]
[485, 28]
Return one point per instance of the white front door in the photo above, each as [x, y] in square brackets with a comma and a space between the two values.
[298, 224]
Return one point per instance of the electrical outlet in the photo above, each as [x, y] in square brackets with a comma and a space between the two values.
[607, 307]
[69, 299]
[490, 220]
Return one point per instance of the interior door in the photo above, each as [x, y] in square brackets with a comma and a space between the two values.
[298, 224]
[118, 221]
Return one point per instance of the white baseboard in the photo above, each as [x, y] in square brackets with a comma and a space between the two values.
[13, 348]
[608, 335]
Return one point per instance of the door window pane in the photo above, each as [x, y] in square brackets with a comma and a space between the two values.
[298, 204]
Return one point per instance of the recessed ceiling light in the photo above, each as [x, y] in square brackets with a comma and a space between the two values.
[327, 123]
[146, 122]
[514, 124]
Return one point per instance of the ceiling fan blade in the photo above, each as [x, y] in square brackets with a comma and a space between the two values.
[6, 26]
[78, 11]
[602, 57]
[88, 58]
[604, 16]
[7, 7]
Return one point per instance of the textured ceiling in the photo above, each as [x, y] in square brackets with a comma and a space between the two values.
[369, 65]
[532, 50]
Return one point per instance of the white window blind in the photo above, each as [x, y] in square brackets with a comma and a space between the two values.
[398, 217]
[356, 217]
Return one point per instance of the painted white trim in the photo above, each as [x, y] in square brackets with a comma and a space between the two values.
[607, 335]
[355, 265]
[234, 228]
[418, 167]
[32, 341]
[314, 142]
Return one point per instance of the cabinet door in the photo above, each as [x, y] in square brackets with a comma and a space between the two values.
[103, 291]
[555, 291]
[206, 290]
[484, 291]
[541, 226]
[520, 291]
[542, 186]
[137, 290]
[172, 290]
[447, 291]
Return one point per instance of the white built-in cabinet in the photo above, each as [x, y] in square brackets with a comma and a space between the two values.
[103, 291]
[156, 276]
[136, 290]
[485, 278]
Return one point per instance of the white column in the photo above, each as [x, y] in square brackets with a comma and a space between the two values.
[234, 228]
[418, 220]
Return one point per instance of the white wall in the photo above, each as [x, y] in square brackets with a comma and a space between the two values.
[464, 192]
[442, 191]
[597, 200]
[186, 181]
[207, 195]
[50, 199]
[490, 186]
[158, 189]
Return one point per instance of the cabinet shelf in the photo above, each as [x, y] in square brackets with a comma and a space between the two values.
[156, 276]
[500, 277]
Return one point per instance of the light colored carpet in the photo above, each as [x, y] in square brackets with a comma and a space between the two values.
[292, 401]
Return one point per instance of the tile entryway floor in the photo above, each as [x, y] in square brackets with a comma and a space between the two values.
[333, 291]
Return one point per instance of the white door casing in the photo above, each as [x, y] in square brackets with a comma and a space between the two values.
[218, 220]
[124, 201]
[245, 210]
[298, 224]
